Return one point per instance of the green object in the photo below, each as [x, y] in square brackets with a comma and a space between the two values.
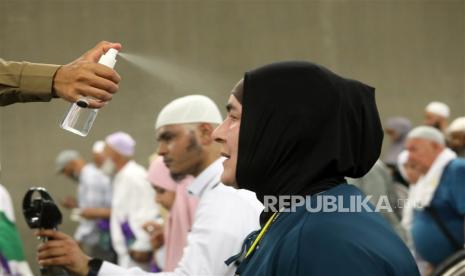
[10, 244]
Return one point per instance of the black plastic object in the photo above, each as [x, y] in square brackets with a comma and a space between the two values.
[41, 212]
[82, 103]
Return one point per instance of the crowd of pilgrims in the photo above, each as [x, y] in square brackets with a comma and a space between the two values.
[170, 218]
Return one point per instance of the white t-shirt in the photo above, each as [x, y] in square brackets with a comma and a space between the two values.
[224, 217]
[133, 203]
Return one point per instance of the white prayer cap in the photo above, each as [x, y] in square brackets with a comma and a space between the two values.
[458, 125]
[427, 133]
[189, 109]
[438, 108]
[122, 143]
[98, 147]
[64, 157]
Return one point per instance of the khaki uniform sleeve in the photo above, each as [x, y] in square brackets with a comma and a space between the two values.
[25, 82]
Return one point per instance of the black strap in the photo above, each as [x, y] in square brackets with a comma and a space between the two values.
[455, 244]
[94, 266]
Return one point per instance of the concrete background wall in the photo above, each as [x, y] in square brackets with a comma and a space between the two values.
[411, 51]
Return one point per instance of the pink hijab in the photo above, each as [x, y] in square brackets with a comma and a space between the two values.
[181, 215]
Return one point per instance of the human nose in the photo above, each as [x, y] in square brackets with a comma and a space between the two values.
[218, 134]
[162, 149]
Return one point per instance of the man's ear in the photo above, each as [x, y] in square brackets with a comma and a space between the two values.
[205, 131]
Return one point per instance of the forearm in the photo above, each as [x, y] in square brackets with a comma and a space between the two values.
[25, 82]
[108, 269]
[96, 213]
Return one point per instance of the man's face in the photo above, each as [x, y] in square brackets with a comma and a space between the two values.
[432, 120]
[109, 153]
[412, 172]
[99, 158]
[164, 197]
[422, 153]
[181, 151]
[109, 165]
[393, 135]
[68, 170]
[457, 140]
[227, 134]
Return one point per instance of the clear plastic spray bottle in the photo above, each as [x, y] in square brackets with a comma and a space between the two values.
[79, 119]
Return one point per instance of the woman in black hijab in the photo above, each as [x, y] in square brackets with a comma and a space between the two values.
[302, 130]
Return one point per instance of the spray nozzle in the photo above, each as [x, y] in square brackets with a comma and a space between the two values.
[109, 58]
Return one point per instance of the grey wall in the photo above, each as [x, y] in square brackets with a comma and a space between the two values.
[411, 51]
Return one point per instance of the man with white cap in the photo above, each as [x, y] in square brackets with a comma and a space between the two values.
[439, 195]
[456, 136]
[436, 115]
[132, 203]
[97, 153]
[224, 216]
[94, 202]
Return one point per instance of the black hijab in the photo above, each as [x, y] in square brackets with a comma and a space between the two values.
[303, 129]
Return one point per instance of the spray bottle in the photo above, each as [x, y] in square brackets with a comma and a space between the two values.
[79, 119]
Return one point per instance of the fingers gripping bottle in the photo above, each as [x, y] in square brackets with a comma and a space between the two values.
[79, 119]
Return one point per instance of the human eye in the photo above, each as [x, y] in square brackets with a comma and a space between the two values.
[166, 137]
[233, 117]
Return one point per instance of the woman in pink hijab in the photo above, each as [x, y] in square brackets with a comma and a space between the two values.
[174, 197]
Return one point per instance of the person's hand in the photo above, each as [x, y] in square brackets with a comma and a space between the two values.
[62, 250]
[155, 231]
[85, 77]
[140, 256]
[69, 202]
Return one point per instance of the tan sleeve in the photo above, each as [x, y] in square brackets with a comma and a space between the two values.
[25, 82]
